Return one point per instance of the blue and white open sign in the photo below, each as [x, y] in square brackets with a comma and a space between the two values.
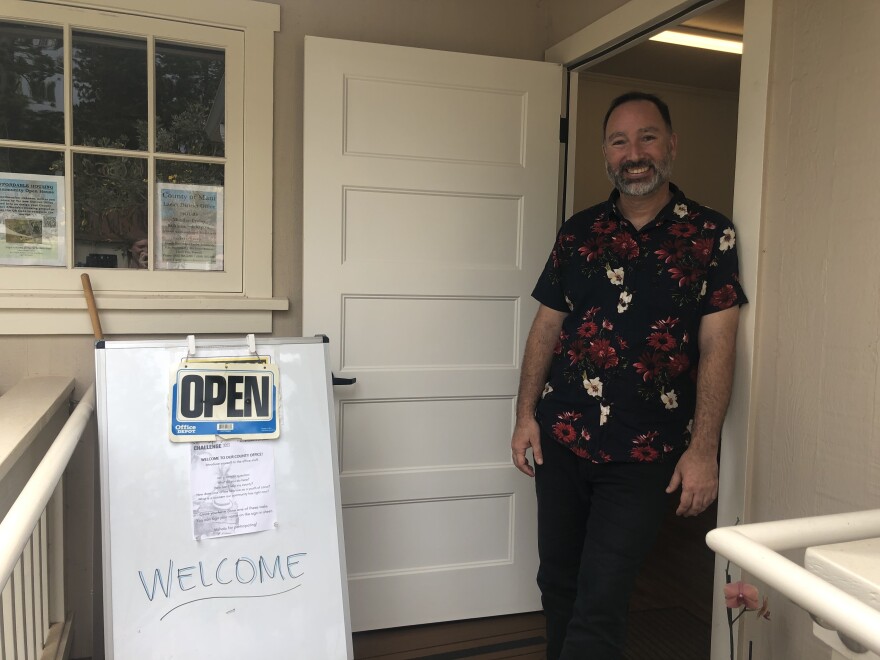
[225, 399]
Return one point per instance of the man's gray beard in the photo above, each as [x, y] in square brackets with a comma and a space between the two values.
[662, 173]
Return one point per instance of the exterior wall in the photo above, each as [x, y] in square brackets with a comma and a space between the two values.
[704, 119]
[520, 29]
[506, 28]
[816, 439]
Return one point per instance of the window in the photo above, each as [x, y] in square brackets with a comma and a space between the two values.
[126, 144]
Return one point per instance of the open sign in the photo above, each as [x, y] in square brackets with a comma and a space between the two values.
[224, 399]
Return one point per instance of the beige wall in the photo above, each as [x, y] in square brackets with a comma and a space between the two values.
[815, 445]
[817, 368]
[704, 119]
[506, 28]
[816, 440]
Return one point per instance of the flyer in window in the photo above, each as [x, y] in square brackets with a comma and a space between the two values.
[189, 227]
[32, 220]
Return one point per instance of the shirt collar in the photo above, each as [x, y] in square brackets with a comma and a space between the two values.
[675, 210]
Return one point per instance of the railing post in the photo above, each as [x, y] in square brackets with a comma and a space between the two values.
[55, 556]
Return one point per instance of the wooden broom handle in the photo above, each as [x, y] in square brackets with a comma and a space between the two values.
[93, 310]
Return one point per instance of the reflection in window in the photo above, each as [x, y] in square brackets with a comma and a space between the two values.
[31, 161]
[109, 211]
[180, 171]
[31, 83]
[111, 149]
[190, 100]
[109, 91]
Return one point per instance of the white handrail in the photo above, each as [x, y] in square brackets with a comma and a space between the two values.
[754, 548]
[16, 528]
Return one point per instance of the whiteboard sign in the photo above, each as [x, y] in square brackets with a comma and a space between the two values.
[225, 399]
[276, 593]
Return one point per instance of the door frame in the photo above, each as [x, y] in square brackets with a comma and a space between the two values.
[632, 23]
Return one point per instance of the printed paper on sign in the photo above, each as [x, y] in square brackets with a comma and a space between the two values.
[233, 488]
[229, 400]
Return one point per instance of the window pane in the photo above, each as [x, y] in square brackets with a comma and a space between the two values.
[109, 91]
[31, 83]
[189, 216]
[176, 171]
[190, 100]
[32, 161]
[109, 211]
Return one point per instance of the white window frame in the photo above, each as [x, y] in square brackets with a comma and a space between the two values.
[47, 300]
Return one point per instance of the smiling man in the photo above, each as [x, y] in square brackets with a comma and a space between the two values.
[625, 380]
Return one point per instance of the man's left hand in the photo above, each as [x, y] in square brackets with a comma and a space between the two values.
[697, 474]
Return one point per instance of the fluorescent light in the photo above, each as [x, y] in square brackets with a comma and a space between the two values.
[699, 41]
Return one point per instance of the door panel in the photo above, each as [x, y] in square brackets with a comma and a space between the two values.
[430, 195]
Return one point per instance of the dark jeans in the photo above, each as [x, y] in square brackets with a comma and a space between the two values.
[596, 525]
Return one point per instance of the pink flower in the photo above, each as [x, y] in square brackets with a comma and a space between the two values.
[741, 594]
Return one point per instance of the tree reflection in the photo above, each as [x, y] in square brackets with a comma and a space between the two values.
[110, 103]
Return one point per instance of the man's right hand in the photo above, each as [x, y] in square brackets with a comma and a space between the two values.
[526, 434]
[536, 365]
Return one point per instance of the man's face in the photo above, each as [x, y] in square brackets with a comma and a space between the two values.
[639, 149]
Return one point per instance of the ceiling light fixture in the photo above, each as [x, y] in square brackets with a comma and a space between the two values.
[699, 41]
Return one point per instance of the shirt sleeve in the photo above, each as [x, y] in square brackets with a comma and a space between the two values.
[723, 288]
[550, 291]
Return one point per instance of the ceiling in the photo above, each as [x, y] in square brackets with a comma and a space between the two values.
[726, 18]
[681, 65]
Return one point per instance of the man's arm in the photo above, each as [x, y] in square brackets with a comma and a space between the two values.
[697, 469]
[536, 365]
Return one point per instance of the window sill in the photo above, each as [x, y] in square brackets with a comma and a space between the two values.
[66, 314]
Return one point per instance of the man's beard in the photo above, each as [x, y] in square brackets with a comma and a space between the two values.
[662, 173]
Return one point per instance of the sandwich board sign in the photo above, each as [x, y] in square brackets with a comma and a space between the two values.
[223, 542]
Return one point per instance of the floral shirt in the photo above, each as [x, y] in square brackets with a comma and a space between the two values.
[622, 383]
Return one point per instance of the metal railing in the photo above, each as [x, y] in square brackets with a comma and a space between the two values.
[31, 616]
[755, 548]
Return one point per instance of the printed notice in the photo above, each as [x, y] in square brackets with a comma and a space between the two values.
[32, 229]
[189, 227]
[233, 488]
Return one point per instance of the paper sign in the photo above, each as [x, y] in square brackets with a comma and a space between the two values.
[189, 227]
[32, 231]
[233, 488]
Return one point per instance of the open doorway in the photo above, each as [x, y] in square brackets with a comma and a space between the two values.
[672, 606]
[639, 18]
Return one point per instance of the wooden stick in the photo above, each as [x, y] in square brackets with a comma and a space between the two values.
[93, 310]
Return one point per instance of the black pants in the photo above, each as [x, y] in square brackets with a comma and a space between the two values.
[596, 525]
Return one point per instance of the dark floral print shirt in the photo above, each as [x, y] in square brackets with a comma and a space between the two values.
[623, 379]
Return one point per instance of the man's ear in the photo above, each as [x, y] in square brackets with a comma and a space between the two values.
[673, 145]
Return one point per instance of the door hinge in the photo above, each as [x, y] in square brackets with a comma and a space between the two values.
[563, 130]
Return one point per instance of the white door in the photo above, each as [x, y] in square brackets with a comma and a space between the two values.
[430, 196]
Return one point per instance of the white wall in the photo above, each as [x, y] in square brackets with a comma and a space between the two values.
[816, 442]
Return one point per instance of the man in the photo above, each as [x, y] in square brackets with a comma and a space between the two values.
[637, 291]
